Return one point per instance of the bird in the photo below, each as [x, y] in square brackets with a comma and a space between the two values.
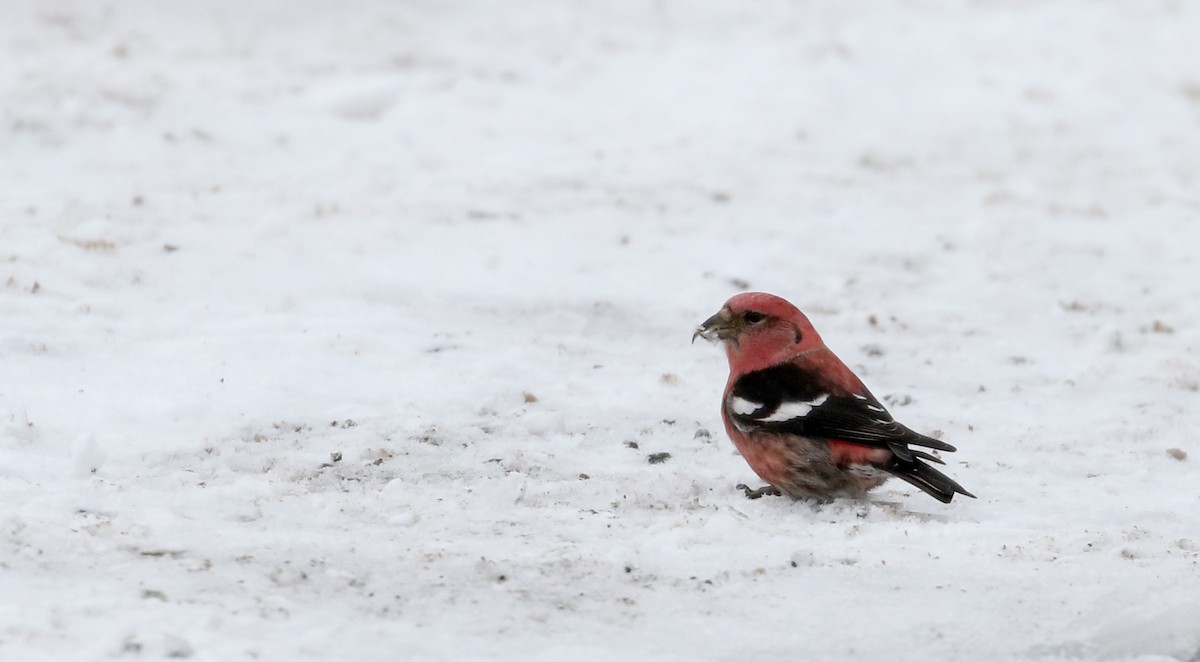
[803, 421]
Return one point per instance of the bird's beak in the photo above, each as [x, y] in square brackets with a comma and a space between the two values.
[717, 327]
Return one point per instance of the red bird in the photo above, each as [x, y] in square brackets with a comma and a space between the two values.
[804, 422]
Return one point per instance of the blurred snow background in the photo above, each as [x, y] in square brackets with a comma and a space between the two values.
[346, 330]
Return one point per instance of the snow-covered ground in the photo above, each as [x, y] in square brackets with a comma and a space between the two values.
[462, 246]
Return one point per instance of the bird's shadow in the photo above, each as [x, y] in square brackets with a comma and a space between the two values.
[897, 509]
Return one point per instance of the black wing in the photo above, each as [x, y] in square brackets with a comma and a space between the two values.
[789, 399]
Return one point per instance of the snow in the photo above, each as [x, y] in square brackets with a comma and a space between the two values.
[346, 330]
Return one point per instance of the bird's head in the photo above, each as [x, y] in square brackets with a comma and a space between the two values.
[760, 327]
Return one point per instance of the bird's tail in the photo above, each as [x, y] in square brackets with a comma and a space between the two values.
[931, 481]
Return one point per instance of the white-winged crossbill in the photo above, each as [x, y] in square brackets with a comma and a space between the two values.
[802, 420]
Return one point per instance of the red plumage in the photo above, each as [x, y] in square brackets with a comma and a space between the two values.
[804, 422]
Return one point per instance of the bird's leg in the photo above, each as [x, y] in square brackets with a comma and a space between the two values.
[766, 490]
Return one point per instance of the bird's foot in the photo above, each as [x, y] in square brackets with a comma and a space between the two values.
[766, 490]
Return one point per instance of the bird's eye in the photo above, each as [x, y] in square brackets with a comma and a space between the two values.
[754, 317]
